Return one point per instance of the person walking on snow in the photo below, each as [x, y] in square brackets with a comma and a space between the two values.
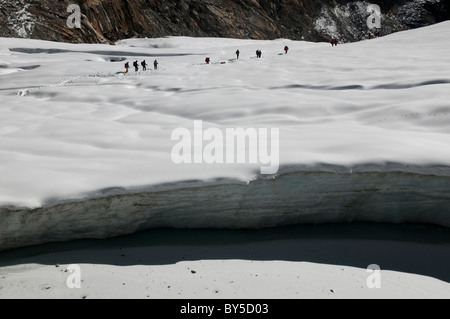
[127, 66]
[237, 54]
[155, 64]
[144, 65]
[136, 65]
[286, 49]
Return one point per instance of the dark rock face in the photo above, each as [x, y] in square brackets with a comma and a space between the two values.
[106, 21]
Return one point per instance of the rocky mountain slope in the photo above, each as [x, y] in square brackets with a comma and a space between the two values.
[106, 21]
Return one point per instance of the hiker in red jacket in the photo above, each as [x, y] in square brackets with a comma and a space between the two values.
[286, 49]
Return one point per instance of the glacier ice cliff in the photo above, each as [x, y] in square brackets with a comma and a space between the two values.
[298, 195]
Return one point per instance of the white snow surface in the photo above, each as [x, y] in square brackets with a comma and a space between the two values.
[70, 124]
[297, 263]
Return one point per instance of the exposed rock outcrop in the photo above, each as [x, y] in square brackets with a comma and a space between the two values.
[106, 21]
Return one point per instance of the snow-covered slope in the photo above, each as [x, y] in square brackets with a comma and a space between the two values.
[80, 139]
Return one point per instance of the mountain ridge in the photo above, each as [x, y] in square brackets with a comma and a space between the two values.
[107, 21]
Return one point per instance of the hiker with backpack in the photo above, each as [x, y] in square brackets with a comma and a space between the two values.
[127, 66]
[155, 64]
[144, 65]
[286, 49]
[237, 54]
[136, 66]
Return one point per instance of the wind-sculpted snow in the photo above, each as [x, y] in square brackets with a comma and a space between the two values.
[96, 52]
[327, 194]
[73, 123]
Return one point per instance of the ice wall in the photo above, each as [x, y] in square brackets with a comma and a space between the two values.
[322, 195]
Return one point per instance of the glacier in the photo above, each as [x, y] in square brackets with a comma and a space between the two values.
[85, 150]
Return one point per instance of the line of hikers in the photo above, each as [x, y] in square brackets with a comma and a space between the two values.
[143, 64]
[334, 42]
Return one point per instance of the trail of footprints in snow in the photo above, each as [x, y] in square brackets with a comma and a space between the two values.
[64, 82]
